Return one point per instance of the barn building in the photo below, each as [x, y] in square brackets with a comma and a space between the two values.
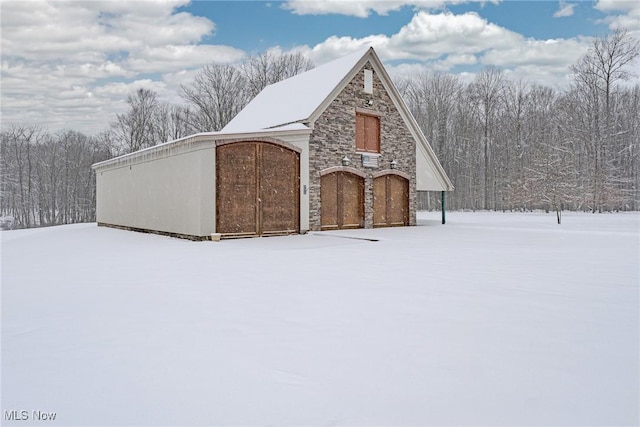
[332, 148]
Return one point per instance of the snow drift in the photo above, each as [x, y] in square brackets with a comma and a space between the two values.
[493, 319]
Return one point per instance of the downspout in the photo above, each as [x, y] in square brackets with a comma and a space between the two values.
[444, 207]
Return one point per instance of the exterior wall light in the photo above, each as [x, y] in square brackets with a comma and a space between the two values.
[346, 161]
[393, 164]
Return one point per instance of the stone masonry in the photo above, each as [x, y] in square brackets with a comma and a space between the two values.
[334, 136]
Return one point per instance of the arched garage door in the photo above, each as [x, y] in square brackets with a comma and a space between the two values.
[257, 189]
[342, 199]
[390, 201]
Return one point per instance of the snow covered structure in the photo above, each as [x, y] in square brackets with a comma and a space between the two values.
[334, 147]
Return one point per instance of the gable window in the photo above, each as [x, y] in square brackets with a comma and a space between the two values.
[367, 133]
[368, 81]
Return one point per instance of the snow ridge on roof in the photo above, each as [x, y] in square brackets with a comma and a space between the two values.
[294, 99]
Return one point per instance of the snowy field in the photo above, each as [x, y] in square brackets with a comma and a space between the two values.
[493, 319]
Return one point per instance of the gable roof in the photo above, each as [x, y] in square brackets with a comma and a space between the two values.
[304, 97]
[296, 98]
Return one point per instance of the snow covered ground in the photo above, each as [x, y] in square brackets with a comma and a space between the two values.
[493, 319]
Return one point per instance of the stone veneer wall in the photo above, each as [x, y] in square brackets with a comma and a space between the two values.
[334, 136]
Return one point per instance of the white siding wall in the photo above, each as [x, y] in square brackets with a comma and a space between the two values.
[173, 190]
[427, 176]
[174, 194]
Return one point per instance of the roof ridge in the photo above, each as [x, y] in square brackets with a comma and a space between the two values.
[295, 99]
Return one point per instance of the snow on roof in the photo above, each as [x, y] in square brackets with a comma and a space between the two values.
[290, 129]
[294, 99]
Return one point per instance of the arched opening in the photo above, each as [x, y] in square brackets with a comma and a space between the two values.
[342, 200]
[257, 189]
[390, 200]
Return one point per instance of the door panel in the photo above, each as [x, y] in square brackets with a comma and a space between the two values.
[279, 195]
[257, 189]
[397, 201]
[236, 189]
[329, 201]
[390, 201]
[352, 200]
[342, 200]
[380, 202]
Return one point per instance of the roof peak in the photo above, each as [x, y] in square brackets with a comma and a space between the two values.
[351, 57]
[294, 100]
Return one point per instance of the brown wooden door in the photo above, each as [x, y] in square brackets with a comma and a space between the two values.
[342, 200]
[257, 190]
[279, 195]
[390, 201]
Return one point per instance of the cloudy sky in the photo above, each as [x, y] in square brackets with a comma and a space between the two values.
[71, 64]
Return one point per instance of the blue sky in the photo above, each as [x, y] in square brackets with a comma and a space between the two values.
[72, 64]
[268, 23]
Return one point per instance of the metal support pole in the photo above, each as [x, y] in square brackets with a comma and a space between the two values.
[444, 207]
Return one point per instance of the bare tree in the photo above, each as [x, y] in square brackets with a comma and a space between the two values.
[271, 67]
[172, 122]
[432, 98]
[627, 113]
[135, 128]
[596, 75]
[217, 94]
[46, 179]
[19, 189]
[486, 94]
[505, 144]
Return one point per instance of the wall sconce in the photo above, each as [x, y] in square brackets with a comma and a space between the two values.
[370, 102]
[393, 164]
[346, 161]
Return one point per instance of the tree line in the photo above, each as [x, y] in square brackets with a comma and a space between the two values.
[506, 144]
[46, 179]
[513, 145]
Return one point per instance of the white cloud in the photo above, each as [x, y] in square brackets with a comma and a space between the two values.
[440, 42]
[364, 8]
[120, 90]
[623, 14]
[451, 61]
[334, 47]
[539, 53]
[616, 5]
[566, 9]
[429, 36]
[47, 30]
[172, 57]
[358, 8]
[72, 63]
[407, 70]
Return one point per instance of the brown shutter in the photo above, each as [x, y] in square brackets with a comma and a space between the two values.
[372, 134]
[360, 132]
[367, 133]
